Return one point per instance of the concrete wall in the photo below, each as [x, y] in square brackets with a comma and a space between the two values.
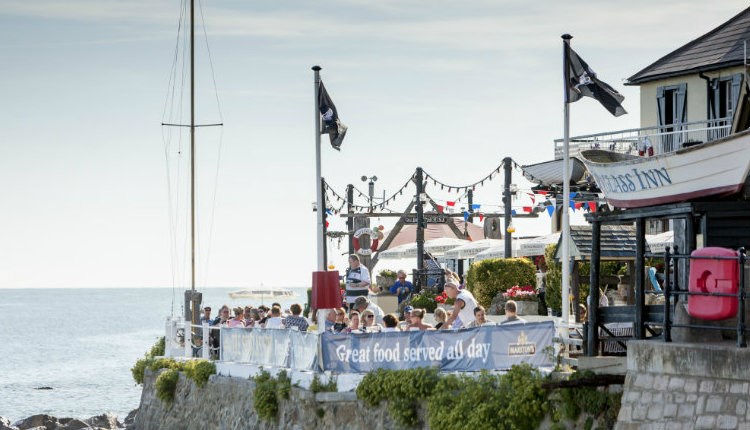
[685, 386]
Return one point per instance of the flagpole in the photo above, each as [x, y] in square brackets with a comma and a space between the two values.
[566, 192]
[319, 176]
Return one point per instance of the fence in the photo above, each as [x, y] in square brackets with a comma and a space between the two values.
[484, 348]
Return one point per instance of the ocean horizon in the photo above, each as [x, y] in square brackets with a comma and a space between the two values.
[82, 342]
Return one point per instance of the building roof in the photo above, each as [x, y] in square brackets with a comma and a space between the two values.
[617, 242]
[720, 48]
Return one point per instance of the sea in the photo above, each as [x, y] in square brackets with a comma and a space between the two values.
[82, 342]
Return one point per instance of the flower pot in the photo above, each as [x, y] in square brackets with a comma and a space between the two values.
[384, 282]
[527, 307]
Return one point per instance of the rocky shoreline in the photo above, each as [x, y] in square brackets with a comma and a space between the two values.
[49, 422]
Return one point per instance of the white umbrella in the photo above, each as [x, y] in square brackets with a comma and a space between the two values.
[659, 242]
[498, 251]
[436, 247]
[394, 253]
[469, 250]
[263, 293]
[537, 245]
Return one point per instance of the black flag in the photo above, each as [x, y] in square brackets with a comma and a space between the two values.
[330, 119]
[582, 81]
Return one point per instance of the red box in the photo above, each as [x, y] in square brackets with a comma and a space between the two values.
[713, 276]
[326, 290]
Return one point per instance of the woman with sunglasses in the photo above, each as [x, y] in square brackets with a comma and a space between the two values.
[340, 324]
[368, 319]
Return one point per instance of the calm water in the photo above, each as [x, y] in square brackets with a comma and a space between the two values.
[82, 343]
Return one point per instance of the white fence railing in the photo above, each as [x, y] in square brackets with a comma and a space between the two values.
[663, 139]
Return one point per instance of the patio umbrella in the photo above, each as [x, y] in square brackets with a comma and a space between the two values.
[436, 247]
[394, 253]
[537, 245]
[498, 251]
[469, 250]
[659, 242]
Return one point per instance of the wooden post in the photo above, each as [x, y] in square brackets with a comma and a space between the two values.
[350, 220]
[592, 347]
[507, 204]
[640, 281]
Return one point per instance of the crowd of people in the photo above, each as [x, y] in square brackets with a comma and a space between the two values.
[359, 314]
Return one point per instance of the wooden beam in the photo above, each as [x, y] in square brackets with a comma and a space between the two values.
[392, 235]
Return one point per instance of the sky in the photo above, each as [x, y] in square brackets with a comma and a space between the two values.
[92, 187]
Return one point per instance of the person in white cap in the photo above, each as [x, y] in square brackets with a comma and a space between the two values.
[463, 310]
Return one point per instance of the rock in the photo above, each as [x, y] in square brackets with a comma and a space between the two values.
[130, 419]
[5, 424]
[72, 424]
[33, 422]
[497, 307]
[105, 421]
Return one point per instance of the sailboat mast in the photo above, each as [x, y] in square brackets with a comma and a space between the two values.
[192, 145]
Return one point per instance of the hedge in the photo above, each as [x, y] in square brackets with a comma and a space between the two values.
[487, 278]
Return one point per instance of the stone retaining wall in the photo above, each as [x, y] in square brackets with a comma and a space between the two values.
[686, 386]
[227, 403]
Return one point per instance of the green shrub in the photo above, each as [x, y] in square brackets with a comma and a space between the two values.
[403, 389]
[199, 371]
[165, 363]
[487, 278]
[158, 349]
[139, 369]
[316, 386]
[166, 384]
[265, 397]
[553, 280]
[387, 273]
[284, 385]
[601, 405]
[424, 300]
[150, 361]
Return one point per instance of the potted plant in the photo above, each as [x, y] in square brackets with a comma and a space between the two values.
[527, 301]
[385, 279]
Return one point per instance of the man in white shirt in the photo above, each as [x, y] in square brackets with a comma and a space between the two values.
[357, 280]
[362, 303]
[275, 320]
[463, 309]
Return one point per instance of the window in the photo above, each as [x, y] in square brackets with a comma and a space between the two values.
[723, 96]
[671, 104]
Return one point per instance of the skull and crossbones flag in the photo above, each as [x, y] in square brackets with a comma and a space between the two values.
[582, 81]
[331, 125]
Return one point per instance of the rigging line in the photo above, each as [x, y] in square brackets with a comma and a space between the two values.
[173, 69]
[172, 250]
[210, 62]
[213, 208]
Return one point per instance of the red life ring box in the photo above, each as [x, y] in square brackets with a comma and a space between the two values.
[713, 276]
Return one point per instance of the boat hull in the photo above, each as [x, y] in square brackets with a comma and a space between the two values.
[715, 168]
[550, 172]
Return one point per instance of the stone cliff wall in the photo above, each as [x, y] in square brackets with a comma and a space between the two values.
[685, 386]
[227, 403]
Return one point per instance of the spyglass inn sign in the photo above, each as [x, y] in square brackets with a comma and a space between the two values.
[428, 218]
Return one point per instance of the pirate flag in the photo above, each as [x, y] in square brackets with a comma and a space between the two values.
[330, 118]
[582, 81]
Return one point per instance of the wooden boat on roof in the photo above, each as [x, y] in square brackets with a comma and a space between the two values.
[550, 172]
[720, 167]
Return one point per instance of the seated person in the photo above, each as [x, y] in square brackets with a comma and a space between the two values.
[369, 324]
[391, 323]
[275, 321]
[401, 288]
[480, 318]
[339, 324]
[440, 316]
[417, 323]
[510, 314]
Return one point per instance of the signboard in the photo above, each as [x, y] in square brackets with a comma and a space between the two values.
[429, 219]
[483, 348]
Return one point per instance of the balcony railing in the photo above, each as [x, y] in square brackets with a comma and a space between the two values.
[663, 139]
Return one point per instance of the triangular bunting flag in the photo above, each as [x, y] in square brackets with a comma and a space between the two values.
[466, 216]
[440, 208]
[527, 209]
[451, 204]
[481, 217]
[579, 205]
[592, 206]
[550, 210]
[475, 207]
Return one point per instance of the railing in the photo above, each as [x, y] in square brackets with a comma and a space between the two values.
[483, 348]
[663, 139]
[673, 292]
[202, 341]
